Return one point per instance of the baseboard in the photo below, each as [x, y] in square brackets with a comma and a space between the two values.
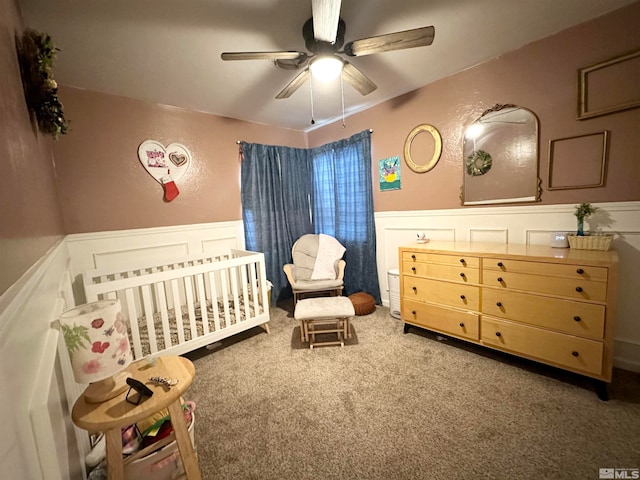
[627, 355]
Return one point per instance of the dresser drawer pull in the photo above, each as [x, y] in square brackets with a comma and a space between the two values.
[462, 261]
[498, 304]
[463, 297]
[498, 334]
[413, 257]
[500, 264]
[578, 289]
[461, 324]
[413, 269]
[500, 279]
[577, 318]
[415, 289]
[574, 353]
[413, 312]
[462, 275]
[579, 271]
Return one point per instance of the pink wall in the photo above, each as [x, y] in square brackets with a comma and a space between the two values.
[30, 216]
[541, 77]
[104, 186]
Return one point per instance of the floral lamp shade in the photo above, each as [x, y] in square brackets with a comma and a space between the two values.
[98, 344]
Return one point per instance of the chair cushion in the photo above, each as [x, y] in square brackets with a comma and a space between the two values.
[363, 303]
[316, 285]
[304, 256]
[323, 307]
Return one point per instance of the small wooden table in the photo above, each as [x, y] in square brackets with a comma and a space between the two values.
[110, 416]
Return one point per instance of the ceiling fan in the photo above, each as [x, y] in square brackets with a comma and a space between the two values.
[323, 34]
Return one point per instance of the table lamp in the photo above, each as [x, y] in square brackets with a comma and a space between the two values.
[98, 344]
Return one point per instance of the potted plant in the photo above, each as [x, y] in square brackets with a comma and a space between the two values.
[583, 211]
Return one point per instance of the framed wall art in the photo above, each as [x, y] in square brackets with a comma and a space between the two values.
[578, 162]
[609, 86]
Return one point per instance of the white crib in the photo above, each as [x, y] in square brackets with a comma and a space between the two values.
[174, 307]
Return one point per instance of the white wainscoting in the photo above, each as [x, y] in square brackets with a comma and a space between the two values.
[531, 225]
[89, 251]
[39, 440]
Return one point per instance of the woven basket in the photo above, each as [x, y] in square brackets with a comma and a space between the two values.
[363, 303]
[590, 242]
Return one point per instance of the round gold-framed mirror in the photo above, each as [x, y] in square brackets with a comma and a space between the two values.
[437, 148]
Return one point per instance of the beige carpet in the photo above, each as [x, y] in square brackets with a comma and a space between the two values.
[401, 406]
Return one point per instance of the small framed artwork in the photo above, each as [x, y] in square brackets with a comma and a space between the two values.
[389, 173]
[578, 162]
[609, 86]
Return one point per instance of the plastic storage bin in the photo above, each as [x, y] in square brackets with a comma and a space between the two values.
[393, 277]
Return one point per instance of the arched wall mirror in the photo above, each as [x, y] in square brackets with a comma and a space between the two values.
[501, 157]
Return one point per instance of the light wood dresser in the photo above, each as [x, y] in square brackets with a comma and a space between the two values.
[551, 305]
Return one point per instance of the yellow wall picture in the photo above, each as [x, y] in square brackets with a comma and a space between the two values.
[389, 172]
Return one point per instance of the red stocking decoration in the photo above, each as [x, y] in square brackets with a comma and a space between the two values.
[170, 189]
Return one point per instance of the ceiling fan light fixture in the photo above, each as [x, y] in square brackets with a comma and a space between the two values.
[326, 68]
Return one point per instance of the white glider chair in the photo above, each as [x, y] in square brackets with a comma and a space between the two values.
[317, 266]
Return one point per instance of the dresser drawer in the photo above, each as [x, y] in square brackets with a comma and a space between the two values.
[576, 272]
[443, 259]
[446, 293]
[455, 273]
[564, 287]
[562, 350]
[445, 320]
[413, 257]
[577, 318]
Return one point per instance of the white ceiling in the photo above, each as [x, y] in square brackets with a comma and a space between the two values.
[168, 51]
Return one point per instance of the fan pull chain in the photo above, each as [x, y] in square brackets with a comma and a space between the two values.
[311, 92]
[342, 95]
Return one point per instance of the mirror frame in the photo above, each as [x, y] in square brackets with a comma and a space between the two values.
[537, 182]
[437, 151]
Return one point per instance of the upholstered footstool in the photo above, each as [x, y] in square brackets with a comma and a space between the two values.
[324, 315]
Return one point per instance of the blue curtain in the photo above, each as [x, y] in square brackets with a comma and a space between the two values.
[276, 193]
[287, 192]
[343, 207]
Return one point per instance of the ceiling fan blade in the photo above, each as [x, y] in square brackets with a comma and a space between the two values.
[418, 37]
[357, 79]
[294, 84]
[326, 14]
[290, 55]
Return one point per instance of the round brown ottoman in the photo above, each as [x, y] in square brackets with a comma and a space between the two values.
[363, 303]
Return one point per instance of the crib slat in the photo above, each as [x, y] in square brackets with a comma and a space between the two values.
[253, 282]
[188, 290]
[162, 304]
[246, 311]
[133, 322]
[148, 313]
[213, 292]
[234, 289]
[225, 297]
[203, 304]
[178, 309]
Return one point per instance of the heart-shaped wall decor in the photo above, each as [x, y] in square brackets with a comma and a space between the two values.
[161, 161]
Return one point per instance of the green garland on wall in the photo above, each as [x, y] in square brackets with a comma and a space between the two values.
[478, 163]
[37, 55]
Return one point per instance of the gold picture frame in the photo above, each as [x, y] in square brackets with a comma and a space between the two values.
[627, 93]
[437, 150]
[601, 157]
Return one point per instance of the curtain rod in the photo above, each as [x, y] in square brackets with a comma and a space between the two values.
[239, 141]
